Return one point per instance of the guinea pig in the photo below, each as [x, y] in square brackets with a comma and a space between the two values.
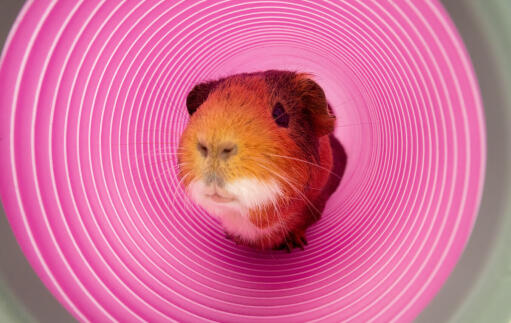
[256, 155]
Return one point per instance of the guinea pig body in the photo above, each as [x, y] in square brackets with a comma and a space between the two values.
[256, 154]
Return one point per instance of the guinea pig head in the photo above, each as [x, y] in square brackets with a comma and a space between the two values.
[252, 141]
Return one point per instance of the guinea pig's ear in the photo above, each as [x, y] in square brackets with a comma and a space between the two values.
[198, 95]
[316, 106]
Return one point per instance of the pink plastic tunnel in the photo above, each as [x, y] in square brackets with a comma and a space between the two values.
[92, 105]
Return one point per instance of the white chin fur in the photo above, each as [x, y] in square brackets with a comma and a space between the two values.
[250, 193]
[253, 193]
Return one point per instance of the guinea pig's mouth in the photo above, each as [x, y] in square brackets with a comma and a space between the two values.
[220, 198]
[219, 195]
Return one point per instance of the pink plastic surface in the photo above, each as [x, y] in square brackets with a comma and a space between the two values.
[92, 105]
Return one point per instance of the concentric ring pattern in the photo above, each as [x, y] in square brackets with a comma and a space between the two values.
[92, 105]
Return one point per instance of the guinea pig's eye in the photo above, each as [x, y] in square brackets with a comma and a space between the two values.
[280, 116]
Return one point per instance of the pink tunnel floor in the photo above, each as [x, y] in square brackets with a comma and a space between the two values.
[92, 105]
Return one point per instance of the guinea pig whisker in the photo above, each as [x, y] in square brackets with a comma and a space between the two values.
[283, 226]
[276, 207]
[179, 169]
[174, 192]
[180, 184]
[306, 200]
[310, 187]
[146, 143]
[169, 154]
[180, 172]
[166, 161]
[305, 161]
[355, 124]
[160, 175]
[302, 197]
[159, 162]
[156, 162]
[159, 159]
[156, 155]
[163, 151]
[161, 155]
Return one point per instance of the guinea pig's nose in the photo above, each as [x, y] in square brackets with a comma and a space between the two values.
[227, 150]
[203, 149]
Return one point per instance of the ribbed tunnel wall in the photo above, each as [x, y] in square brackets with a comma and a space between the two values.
[92, 106]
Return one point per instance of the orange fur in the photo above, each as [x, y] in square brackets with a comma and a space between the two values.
[239, 111]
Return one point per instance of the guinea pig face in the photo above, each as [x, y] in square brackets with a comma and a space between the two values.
[249, 142]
